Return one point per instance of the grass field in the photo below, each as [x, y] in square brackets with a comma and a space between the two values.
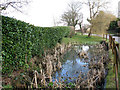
[83, 39]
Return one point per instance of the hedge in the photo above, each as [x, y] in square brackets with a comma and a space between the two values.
[20, 40]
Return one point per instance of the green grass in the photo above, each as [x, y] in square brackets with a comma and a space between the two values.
[83, 39]
[111, 75]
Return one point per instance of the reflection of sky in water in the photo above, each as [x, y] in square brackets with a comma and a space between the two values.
[85, 48]
[80, 48]
[72, 67]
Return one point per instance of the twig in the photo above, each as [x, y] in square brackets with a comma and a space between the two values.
[36, 79]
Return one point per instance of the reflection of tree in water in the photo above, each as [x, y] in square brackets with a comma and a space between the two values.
[70, 55]
[95, 53]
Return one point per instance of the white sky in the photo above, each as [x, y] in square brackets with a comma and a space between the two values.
[44, 12]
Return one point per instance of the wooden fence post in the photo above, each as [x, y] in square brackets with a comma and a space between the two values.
[119, 53]
[117, 46]
[115, 51]
[103, 36]
[110, 40]
[116, 77]
[113, 39]
[116, 68]
[116, 64]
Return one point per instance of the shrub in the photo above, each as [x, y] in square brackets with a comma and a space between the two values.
[21, 41]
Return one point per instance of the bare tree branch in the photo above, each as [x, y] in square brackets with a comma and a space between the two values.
[94, 7]
[72, 15]
[15, 4]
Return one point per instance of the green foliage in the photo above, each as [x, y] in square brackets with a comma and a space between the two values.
[71, 85]
[113, 25]
[101, 22]
[20, 40]
[50, 84]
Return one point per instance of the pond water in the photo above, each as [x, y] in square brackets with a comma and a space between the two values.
[72, 65]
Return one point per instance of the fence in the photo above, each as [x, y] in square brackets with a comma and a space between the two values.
[116, 62]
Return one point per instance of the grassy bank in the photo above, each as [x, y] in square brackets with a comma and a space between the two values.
[83, 39]
[111, 75]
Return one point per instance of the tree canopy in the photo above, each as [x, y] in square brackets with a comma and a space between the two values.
[94, 7]
[101, 22]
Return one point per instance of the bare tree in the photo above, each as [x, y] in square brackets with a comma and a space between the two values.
[14, 4]
[72, 15]
[80, 21]
[94, 7]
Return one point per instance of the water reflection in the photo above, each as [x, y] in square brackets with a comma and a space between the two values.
[85, 48]
[72, 65]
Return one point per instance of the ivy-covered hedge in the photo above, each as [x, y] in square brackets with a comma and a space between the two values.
[21, 40]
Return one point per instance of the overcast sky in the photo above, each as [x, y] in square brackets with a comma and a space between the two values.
[45, 12]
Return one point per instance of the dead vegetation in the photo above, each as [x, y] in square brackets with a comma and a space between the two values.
[51, 63]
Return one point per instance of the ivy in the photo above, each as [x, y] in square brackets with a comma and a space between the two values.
[20, 39]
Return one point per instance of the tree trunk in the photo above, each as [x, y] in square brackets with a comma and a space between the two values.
[81, 28]
[89, 33]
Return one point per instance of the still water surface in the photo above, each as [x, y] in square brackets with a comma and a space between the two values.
[72, 65]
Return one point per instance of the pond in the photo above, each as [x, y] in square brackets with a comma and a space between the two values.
[73, 65]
